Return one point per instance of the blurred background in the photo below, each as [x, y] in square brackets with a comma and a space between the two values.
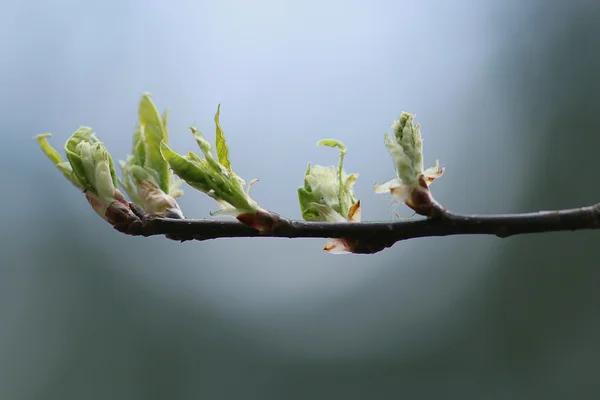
[507, 94]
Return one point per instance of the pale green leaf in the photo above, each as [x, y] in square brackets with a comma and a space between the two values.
[140, 173]
[165, 118]
[307, 170]
[83, 134]
[194, 157]
[104, 181]
[50, 151]
[57, 160]
[67, 171]
[111, 167]
[84, 150]
[332, 143]
[139, 146]
[222, 150]
[340, 172]
[327, 193]
[306, 198]
[188, 170]
[154, 132]
[207, 151]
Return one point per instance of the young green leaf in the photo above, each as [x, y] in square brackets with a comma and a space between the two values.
[210, 177]
[153, 132]
[222, 150]
[146, 174]
[332, 143]
[215, 177]
[57, 160]
[165, 118]
[327, 194]
[188, 169]
[82, 135]
[339, 145]
[139, 146]
[90, 168]
[411, 184]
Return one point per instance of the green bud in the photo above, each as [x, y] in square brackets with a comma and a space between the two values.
[213, 176]
[90, 168]
[147, 178]
[328, 194]
[54, 156]
[406, 149]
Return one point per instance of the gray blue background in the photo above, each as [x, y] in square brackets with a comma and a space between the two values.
[507, 94]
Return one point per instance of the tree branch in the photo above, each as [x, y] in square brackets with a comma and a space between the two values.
[371, 237]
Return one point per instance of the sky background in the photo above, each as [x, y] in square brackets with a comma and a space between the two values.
[507, 95]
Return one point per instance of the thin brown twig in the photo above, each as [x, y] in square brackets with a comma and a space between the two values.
[371, 237]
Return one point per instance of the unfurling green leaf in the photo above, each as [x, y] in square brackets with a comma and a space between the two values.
[146, 174]
[139, 147]
[332, 143]
[57, 160]
[47, 148]
[187, 169]
[406, 149]
[327, 194]
[212, 176]
[81, 135]
[90, 168]
[222, 150]
[153, 132]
